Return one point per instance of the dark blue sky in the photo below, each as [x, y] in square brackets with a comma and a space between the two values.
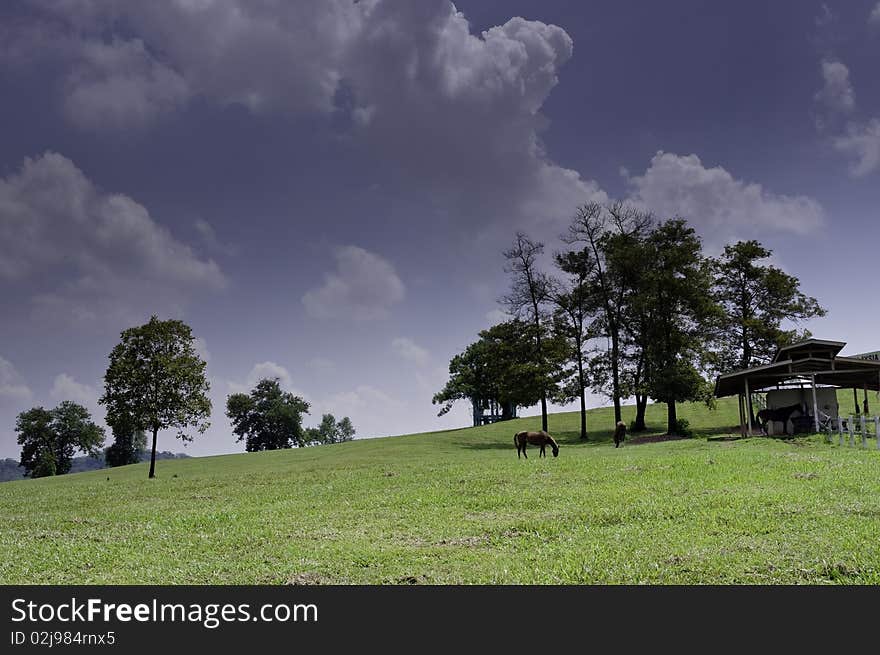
[323, 189]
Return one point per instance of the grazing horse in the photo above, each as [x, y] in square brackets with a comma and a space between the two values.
[619, 433]
[541, 438]
[781, 414]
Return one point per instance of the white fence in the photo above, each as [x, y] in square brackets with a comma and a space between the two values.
[852, 427]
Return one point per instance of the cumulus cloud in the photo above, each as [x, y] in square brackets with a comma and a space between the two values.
[874, 18]
[408, 350]
[65, 387]
[837, 95]
[92, 255]
[415, 76]
[718, 204]
[364, 286]
[862, 142]
[13, 390]
[120, 85]
[275, 55]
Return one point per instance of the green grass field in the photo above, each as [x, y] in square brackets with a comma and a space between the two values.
[458, 507]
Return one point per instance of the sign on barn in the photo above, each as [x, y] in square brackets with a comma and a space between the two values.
[875, 356]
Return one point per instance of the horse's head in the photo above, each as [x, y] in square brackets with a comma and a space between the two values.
[555, 448]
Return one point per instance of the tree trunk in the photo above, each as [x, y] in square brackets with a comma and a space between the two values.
[583, 399]
[615, 373]
[544, 410]
[672, 418]
[641, 406]
[153, 455]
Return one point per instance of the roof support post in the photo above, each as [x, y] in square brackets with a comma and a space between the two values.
[815, 404]
[865, 408]
[748, 407]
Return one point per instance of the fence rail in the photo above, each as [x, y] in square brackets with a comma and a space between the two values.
[854, 426]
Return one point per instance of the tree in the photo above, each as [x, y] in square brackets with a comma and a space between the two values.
[267, 418]
[756, 298]
[157, 380]
[499, 369]
[575, 304]
[530, 289]
[331, 431]
[676, 294]
[128, 443]
[593, 225]
[49, 438]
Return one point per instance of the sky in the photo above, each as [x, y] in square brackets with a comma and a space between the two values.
[323, 189]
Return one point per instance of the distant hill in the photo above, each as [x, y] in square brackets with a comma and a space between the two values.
[10, 470]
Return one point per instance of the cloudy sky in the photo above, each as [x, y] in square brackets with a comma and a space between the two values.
[322, 188]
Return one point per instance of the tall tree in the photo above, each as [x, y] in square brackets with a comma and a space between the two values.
[676, 293]
[593, 225]
[268, 418]
[49, 438]
[530, 290]
[157, 380]
[575, 305]
[756, 298]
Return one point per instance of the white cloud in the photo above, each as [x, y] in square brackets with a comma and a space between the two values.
[874, 18]
[267, 370]
[863, 143]
[837, 94]
[211, 241]
[418, 78]
[120, 85]
[65, 387]
[364, 286]
[201, 348]
[92, 255]
[13, 390]
[410, 351]
[717, 204]
[496, 316]
[373, 412]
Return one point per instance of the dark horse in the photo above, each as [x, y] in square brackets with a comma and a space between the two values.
[541, 438]
[619, 433]
[781, 414]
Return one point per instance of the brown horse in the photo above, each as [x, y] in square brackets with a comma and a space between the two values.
[781, 414]
[619, 433]
[541, 438]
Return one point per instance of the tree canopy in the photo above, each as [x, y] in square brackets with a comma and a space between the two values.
[49, 438]
[756, 298]
[156, 380]
[267, 418]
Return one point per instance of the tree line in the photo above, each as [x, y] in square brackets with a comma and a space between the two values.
[632, 309]
[156, 381]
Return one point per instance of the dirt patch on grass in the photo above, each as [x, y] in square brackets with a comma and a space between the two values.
[308, 578]
[464, 541]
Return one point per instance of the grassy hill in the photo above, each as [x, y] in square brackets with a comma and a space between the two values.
[458, 507]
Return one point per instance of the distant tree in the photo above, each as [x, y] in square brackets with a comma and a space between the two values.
[331, 431]
[756, 299]
[157, 380]
[676, 293]
[267, 418]
[530, 291]
[49, 438]
[500, 369]
[128, 443]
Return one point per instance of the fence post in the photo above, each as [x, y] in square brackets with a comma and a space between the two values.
[852, 430]
[864, 433]
[839, 431]
[877, 431]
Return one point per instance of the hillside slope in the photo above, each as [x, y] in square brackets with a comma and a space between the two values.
[459, 507]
